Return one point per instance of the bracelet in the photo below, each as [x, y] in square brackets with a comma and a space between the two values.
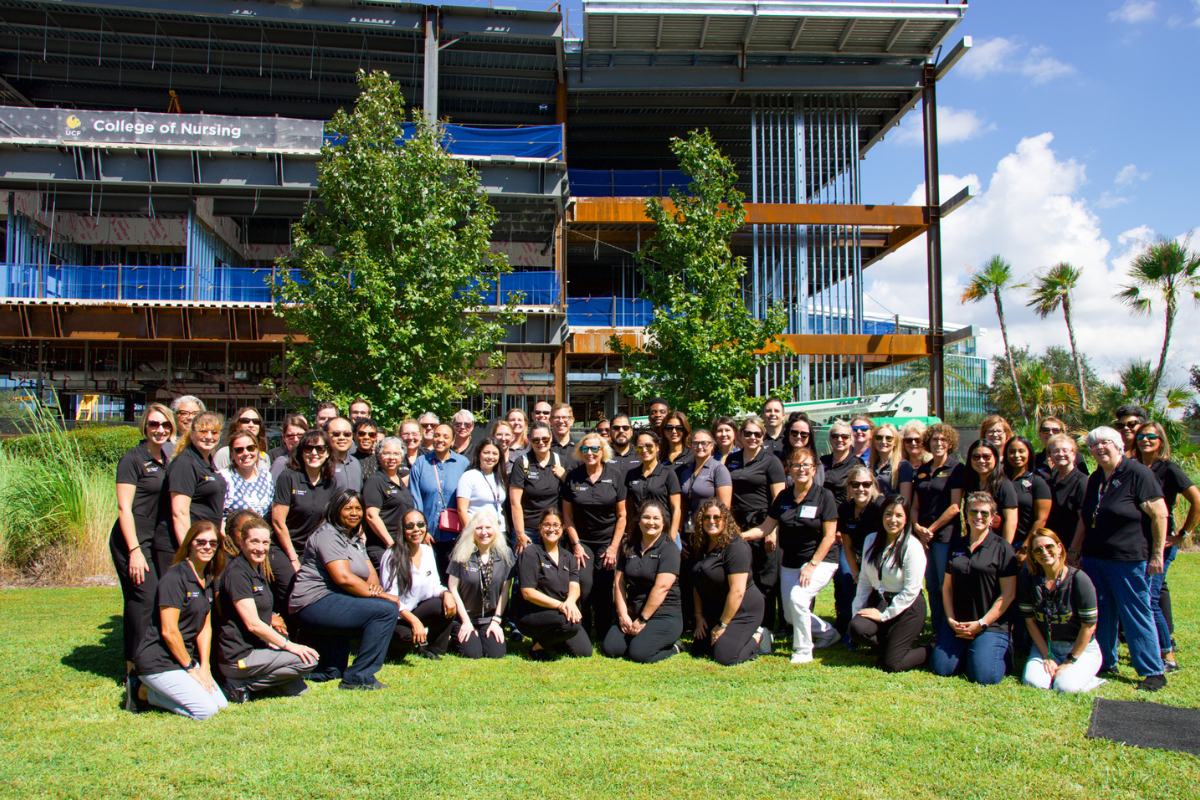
[496, 619]
[721, 625]
[194, 665]
[642, 619]
[286, 642]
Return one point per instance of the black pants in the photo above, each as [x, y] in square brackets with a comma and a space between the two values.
[283, 577]
[1164, 602]
[138, 610]
[596, 592]
[737, 644]
[893, 640]
[437, 627]
[764, 571]
[549, 628]
[163, 548]
[478, 644]
[655, 642]
[441, 552]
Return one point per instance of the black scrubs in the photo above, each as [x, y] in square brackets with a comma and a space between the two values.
[710, 578]
[835, 474]
[548, 626]
[305, 504]
[751, 483]
[541, 489]
[148, 477]
[594, 508]
[393, 501]
[1030, 487]
[1066, 500]
[179, 589]
[191, 474]
[640, 570]
[660, 485]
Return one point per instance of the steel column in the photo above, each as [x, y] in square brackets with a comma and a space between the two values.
[933, 241]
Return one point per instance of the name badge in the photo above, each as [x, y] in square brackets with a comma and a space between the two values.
[808, 512]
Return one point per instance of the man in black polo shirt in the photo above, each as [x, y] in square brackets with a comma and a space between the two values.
[561, 420]
[624, 456]
[657, 412]
[772, 415]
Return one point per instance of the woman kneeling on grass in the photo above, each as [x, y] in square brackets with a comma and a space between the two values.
[409, 571]
[547, 600]
[479, 578]
[1059, 606]
[251, 654]
[649, 612]
[729, 607]
[174, 658]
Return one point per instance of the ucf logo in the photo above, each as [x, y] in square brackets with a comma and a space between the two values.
[73, 125]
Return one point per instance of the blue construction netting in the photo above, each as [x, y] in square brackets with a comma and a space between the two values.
[126, 282]
[626, 183]
[609, 311]
[535, 141]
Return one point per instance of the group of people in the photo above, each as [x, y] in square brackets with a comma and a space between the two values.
[247, 570]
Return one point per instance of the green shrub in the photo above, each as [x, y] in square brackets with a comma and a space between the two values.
[99, 446]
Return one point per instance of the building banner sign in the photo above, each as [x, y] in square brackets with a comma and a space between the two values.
[73, 127]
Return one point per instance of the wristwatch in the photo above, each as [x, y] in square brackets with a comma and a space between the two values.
[642, 619]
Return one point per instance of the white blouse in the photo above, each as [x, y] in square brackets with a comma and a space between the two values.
[904, 582]
[426, 583]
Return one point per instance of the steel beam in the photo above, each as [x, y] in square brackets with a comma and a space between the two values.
[933, 242]
[839, 78]
[632, 210]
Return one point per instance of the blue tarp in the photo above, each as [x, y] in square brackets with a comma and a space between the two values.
[535, 141]
[539, 288]
[626, 182]
[605, 312]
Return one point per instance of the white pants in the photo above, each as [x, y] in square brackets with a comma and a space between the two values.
[796, 602]
[179, 692]
[1078, 677]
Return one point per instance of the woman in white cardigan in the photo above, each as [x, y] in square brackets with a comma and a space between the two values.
[409, 571]
[889, 609]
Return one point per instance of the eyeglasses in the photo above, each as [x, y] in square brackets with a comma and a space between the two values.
[978, 512]
[752, 434]
[186, 414]
[595, 448]
[539, 439]
[338, 434]
[672, 427]
[249, 421]
[1147, 437]
[646, 447]
[1046, 548]
[551, 526]
[885, 438]
[318, 449]
[701, 444]
[367, 432]
[1051, 431]
[860, 428]
[859, 484]
[462, 424]
[204, 544]
[802, 466]
[414, 526]
[537, 412]
[839, 436]
[154, 425]
[429, 424]
[290, 436]
[250, 448]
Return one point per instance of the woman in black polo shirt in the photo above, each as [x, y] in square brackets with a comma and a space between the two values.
[534, 484]
[839, 460]
[649, 612]
[653, 480]
[480, 577]
[302, 492]
[173, 660]
[141, 474]
[547, 600]
[1033, 493]
[858, 518]
[1066, 483]
[251, 654]
[197, 490]
[729, 607]
[756, 477]
[387, 499]
[980, 585]
[985, 473]
[937, 493]
[1058, 603]
[595, 518]
[677, 436]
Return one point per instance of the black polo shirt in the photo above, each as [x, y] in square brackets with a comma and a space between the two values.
[662, 483]
[1117, 530]
[241, 580]
[856, 528]
[177, 589]
[276, 452]
[594, 505]
[470, 585]
[835, 474]
[710, 577]
[681, 462]
[1066, 500]
[1042, 465]
[975, 577]
[932, 489]
[801, 525]
[883, 477]
[536, 570]
[1030, 488]
[643, 567]
[566, 452]
[305, 503]
[393, 501]
[541, 489]
[625, 462]
[193, 475]
[1174, 482]
[1061, 610]
[751, 481]
[148, 477]
[775, 444]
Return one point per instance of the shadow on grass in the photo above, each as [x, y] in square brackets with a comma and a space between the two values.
[106, 659]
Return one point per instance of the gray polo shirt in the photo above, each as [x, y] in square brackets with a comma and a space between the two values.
[326, 544]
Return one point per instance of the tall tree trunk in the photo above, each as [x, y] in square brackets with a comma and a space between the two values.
[1012, 367]
[1083, 401]
[1162, 357]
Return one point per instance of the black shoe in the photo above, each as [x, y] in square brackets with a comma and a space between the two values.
[133, 688]
[540, 654]
[1152, 683]
[1171, 666]
[424, 652]
[235, 694]
[1109, 674]
[373, 686]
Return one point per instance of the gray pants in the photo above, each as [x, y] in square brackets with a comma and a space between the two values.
[264, 669]
[179, 692]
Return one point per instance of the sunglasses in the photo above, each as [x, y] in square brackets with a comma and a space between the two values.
[885, 438]
[752, 434]
[672, 427]
[801, 434]
[622, 428]
[1052, 431]
[339, 434]
[978, 512]
[912, 440]
[540, 413]
[981, 456]
[429, 424]
[859, 484]
[204, 544]
[1131, 426]
[291, 436]
[154, 425]
[860, 428]
[249, 421]
[414, 526]
[319, 449]
[1046, 548]
[839, 436]
[250, 448]
[590, 449]
[1147, 437]
[712, 518]
[539, 439]
[463, 424]
[645, 447]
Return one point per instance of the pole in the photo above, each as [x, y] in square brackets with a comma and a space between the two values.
[933, 242]
[431, 64]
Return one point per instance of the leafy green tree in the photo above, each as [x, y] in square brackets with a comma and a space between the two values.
[1194, 385]
[1048, 388]
[1171, 271]
[991, 280]
[1136, 384]
[1051, 291]
[700, 350]
[390, 279]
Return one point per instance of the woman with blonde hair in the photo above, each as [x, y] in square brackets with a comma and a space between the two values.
[912, 444]
[480, 577]
[893, 471]
[197, 490]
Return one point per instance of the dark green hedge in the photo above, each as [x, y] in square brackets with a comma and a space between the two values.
[100, 445]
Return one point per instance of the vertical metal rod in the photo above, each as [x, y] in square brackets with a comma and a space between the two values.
[933, 240]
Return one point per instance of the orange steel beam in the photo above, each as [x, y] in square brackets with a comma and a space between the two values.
[874, 349]
[632, 210]
[145, 322]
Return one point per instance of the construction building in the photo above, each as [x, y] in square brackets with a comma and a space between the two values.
[153, 154]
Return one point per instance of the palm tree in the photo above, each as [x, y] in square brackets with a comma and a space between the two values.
[1051, 290]
[1134, 381]
[1169, 269]
[992, 279]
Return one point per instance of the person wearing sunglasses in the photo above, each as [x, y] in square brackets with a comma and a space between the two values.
[676, 436]
[979, 586]
[1058, 604]
[912, 444]
[408, 570]
[546, 603]
[196, 489]
[534, 485]
[541, 411]
[302, 492]
[937, 493]
[174, 658]
[1042, 464]
[293, 428]
[858, 518]
[347, 472]
[756, 478]
[862, 438]
[366, 445]
[624, 456]
[728, 606]
[799, 433]
[649, 611]
[653, 480]
[893, 472]
[839, 460]
[593, 495]
[434, 483]
[1154, 451]
[1130, 417]
[141, 474]
[985, 473]
[248, 419]
[248, 483]
[387, 501]
[463, 423]
[428, 423]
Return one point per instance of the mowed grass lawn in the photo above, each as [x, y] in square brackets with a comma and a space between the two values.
[581, 729]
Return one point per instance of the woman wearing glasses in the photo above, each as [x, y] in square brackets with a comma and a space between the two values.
[387, 500]
[293, 428]
[534, 485]
[1050, 427]
[1154, 451]
[409, 571]
[246, 419]
[302, 492]
[729, 607]
[985, 473]
[594, 514]
[141, 473]
[862, 438]
[756, 479]
[893, 472]
[703, 476]
[937, 493]
[248, 483]
[197, 490]
[677, 435]
[858, 518]
[996, 430]
[653, 480]
[912, 444]
[839, 460]
[546, 603]
[799, 433]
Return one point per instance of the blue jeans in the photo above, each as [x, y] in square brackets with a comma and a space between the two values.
[844, 589]
[982, 657]
[337, 617]
[1123, 593]
[935, 573]
[1166, 642]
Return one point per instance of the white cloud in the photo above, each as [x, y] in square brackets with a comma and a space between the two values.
[1129, 174]
[953, 126]
[1009, 56]
[1133, 11]
[1110, 200]
[1031, 212]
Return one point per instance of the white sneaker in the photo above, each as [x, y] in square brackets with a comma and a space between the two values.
[827, 639]
[801, 658]
[766, 642]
